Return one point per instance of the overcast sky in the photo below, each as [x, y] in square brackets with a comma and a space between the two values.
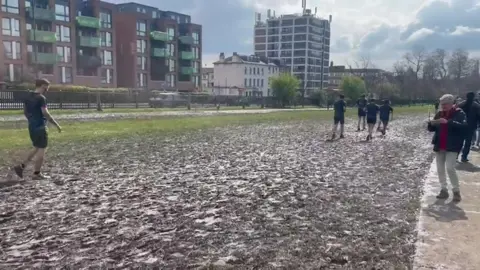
[379, 29]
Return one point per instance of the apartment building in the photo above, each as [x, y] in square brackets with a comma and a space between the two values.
[245, 75]
[157, 49]
[65, 41]
[301, 40]
[207, 79]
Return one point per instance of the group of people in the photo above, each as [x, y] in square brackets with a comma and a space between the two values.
[368, 113]
[454, 125]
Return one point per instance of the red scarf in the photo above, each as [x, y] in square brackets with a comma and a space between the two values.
[443, 138]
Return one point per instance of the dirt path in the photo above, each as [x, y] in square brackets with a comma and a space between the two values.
[264, 196]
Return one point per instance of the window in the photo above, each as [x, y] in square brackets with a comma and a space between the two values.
[12, 50]
[107, 58]
[105, 39]
[171, 65]
[13, 73]
[195, 81]
[105, 19]
[245, 83]
[141, 79]
[245, 71]
[106, 76]
[195, 53]
[250, 82]
[142, 62]
[45, 69]
[141, 46]
[263, 71]
[10, 6]
[65, 54]
[63, 33]
[196, 38]
[154, 14]
[141, 28]
[171, 49]
[171, 32]
[62, 13]
[66, 74]
[171, 80]
[10, 27]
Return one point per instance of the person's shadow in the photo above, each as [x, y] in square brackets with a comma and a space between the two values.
[468, 167]
[445, 212]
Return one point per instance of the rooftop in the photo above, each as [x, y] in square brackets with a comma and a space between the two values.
[247, 59]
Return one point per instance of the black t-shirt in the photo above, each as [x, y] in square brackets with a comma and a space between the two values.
[372, 110]
[339, 107]
[33, 105]
[361, 103]
[385, 111]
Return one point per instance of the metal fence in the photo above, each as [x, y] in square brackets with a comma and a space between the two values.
[13, 100]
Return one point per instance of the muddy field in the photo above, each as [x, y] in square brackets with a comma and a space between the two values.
[260, 197]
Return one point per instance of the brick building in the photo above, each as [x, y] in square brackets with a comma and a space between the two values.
[98, 44]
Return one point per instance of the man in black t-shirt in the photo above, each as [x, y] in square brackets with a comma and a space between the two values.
[385, 111]
[339, 116]
[372, 111]
[36, 112]
[361, 105]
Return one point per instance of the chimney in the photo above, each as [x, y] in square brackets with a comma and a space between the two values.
[331, 63]
[330, 18]
[222, 56]
[235, 57]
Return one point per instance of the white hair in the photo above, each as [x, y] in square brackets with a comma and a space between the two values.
[447, 99]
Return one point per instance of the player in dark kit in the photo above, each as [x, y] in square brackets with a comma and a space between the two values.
[372, 111]
[385, 111]
[36, 112]
[339, 117]
[361, 105]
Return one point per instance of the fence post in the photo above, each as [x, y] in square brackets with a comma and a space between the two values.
[88, 97]
[136, 99]
[189, 106]
[99, 103]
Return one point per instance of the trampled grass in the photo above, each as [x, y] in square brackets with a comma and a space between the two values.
[14, 138]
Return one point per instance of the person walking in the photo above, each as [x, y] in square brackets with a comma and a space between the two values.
[472, 111]
[361, 105]
[385, 112]
[449, 125]
[340, 108]
[372, 112]
[37, 114]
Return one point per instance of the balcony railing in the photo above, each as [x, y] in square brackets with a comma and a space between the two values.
[43, 58]
[186, 40]
[42, 36]
[159, 52]
[91, 22]
[188, 70]
[187, 56]
[93, 42]
[41, 14]
[162, 36]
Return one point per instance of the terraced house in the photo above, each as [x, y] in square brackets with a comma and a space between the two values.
[99, 44]
[65, 41]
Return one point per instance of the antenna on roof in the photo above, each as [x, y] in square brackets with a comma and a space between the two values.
[304, 5]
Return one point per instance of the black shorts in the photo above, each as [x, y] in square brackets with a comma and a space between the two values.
[39, 137]
[371, 120]
[340, 120]
[361, 113]
[384, 121]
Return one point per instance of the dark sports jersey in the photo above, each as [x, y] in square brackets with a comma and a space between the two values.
[361, 103]
[33, 105]
[372, 110]
[385, 111]
[339, 106]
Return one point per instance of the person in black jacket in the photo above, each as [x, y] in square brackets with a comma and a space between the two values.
[472, 111]
[449, 125]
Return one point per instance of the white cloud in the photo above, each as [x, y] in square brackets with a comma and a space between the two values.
[419, 34]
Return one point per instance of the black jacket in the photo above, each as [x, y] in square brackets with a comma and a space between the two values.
[472, 113]
[456, 128]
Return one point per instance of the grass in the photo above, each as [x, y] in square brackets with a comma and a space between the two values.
[14, 138]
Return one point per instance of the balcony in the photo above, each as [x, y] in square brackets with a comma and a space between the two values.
[159, 52]
[187, 56]
[188, 40]
[43, 58]
[162, 36]
[41, 14]
[188, 70]
[42, 36]
[89, 61]
[93, 42]
[90, 22]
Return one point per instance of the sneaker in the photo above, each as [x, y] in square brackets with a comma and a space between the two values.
[39, 177]
[443, 195]
[465, 160]
[18, 170]
[456, 196]
[333, 137]
[368, 138]
[341, 136]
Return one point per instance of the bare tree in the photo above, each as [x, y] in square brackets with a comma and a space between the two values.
[440, 57]
[416, 59]
[459, 67]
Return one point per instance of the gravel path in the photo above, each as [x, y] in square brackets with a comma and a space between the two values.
[256, 197]
[129, 115]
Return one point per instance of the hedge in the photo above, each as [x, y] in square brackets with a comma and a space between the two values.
[68, 88]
